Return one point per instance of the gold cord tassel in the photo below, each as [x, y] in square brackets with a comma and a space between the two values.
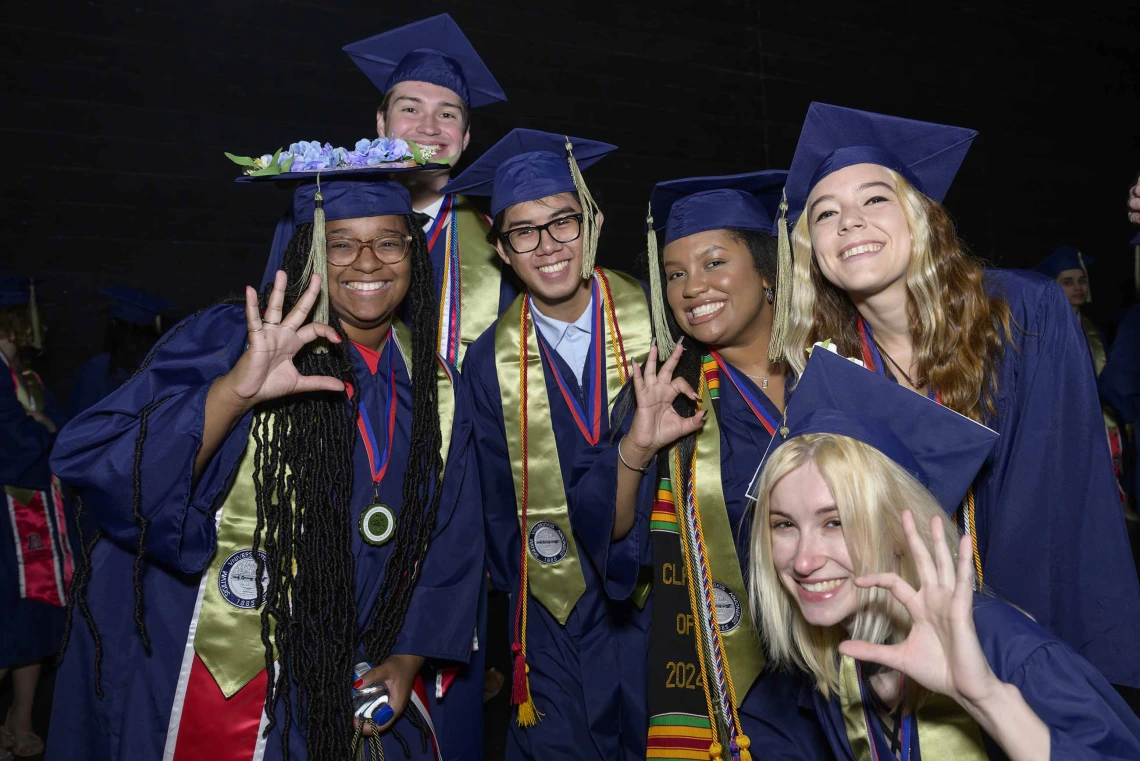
[782, 307]
[1088, 283]
[665, 344]
[590, 229]
[34, 317]
[318, 265]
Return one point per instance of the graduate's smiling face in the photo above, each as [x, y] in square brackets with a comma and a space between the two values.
[714, 289]
[809, 551]
[859, 232]
[548, 261]
[367, 291]
[426, 114]
[1076, 286]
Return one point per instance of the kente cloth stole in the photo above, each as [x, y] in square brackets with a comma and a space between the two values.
[44, 563]
[946, 732]
[704, 654]
[228, 637]
[553, 568]
[472, 271]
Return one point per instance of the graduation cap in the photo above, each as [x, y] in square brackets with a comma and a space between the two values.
[527, 165]
[685, 207]
[17, 290]
[1066, 258]
[134, 306]
[942, 449]
[433, 50]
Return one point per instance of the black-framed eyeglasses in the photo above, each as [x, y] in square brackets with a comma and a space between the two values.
[389, 248]
[562, 230]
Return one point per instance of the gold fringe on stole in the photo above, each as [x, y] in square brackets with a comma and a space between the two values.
[34, 317]
[782, 307]
[665, 343]
[590, 210]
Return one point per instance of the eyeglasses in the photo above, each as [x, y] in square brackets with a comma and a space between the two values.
[389, 249]
[562, 230]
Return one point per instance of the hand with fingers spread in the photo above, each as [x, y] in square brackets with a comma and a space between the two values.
[942, 652]
[656, 424]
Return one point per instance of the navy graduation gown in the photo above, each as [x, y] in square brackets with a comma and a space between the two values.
[96, 453]
[31, 630]
[94, 382]
[776, 725]
[1087, 719]
[586, 677]
[1120, 379]
[1050, 529]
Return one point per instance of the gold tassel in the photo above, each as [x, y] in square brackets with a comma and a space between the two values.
[665, 344]
[1088, 283]
[528, 714]
[590, 229]
[34, 317]
[318, 264]
[716, 752]
[782, 308]
[743, 743]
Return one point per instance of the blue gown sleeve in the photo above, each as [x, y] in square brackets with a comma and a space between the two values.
[24, 443]
[593, 503]
[95, 453]
[1120, 379]
[440, 622]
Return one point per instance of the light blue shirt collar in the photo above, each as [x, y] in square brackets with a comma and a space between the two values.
[570, 339]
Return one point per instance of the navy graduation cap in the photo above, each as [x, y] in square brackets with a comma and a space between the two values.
[928, 155]
[527, 165]
[1064, 258]
[433, 50]
[134, 306]
[941, 448]
[748, 201]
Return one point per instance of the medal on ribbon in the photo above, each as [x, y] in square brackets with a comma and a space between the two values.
[378, 522]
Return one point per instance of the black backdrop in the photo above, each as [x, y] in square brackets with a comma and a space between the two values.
[116, 113]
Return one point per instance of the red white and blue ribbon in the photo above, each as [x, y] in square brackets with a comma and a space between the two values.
[589, 420]
[766, 418]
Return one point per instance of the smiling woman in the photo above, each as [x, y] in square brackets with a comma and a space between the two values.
[880, 271]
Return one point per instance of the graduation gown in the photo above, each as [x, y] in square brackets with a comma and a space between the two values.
[1087, 719]
[586, 677]
[94, 382]
[1120, 379]
[146, 708]
[775, 723]
[1051, 533]
[32, 628]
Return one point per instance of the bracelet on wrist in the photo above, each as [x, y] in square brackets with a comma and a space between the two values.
[621, 457]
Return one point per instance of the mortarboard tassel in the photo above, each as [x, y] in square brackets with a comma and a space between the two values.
[34, 317]
[1088, 284]
[318, 264]
[590, 211]
[665, 344]
[782, 307]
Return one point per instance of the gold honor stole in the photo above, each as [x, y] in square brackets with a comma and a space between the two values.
[552, 570]
[472, 272]
[228, 636]
[946, 731]
[703, 601]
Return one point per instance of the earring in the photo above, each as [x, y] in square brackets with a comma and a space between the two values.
[770, 294]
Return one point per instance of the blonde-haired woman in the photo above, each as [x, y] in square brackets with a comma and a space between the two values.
[854, 582]
[879, 269]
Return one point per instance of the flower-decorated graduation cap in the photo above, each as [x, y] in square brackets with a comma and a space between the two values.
[433, 50]
[527, 165]
[17, 290]
[685, 207]
[134, 306]
[942, 449]
[1065, 258]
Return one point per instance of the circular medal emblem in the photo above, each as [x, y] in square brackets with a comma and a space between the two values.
[728, 610]
[547, 543]
[237, 580]
[377, 524]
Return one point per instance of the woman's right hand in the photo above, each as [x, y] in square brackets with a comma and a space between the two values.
[655, 423]
[265, 370]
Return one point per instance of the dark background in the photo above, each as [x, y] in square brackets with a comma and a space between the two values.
[115, 116]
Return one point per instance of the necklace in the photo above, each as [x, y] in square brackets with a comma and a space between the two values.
[762, 378]
[899, 367]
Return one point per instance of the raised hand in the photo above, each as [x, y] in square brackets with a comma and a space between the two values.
[265, 370]
[655, 423]
[942, 652]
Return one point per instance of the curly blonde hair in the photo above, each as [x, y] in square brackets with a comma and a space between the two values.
[959, 331]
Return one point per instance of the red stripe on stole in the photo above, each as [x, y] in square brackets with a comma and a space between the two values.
[37, 548]
[690, 743]
[213, 728]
